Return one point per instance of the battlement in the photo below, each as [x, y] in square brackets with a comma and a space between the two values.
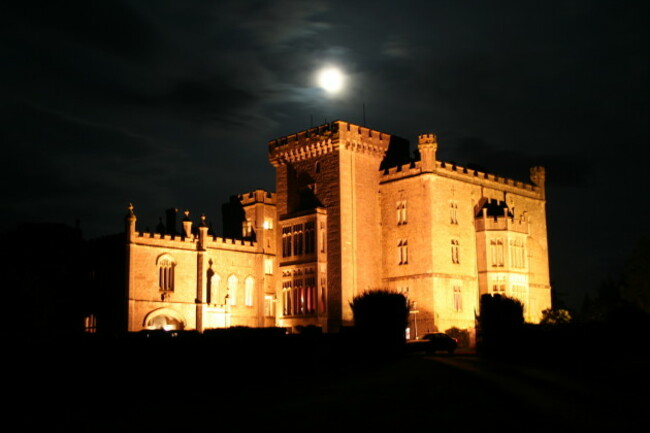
[427, 139]
[182, 242]
[519, 225]
[218, 242]
[327, 138]
[257, 196]
[405, 170]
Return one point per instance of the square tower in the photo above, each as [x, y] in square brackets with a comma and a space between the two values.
[332, 173]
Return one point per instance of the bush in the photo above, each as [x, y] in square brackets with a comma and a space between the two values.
[500, 323]
[381, 316]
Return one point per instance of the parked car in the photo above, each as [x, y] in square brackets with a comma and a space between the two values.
[435, 341]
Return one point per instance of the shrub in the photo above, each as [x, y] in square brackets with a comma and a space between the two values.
[381, 315]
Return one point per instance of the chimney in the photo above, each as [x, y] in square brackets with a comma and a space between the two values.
[187, 225]
[203, 232]
[170, 217]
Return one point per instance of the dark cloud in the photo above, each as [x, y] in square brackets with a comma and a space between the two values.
[171, 103]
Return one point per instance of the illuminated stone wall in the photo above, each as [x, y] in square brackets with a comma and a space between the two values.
[425, 228]
[217, 282]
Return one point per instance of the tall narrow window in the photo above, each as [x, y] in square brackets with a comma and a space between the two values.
[216, 294]
[499, 252]
[232, 289]
[90, 324]
[268, 266]
[403, 252]
[286, 298]
[455, 253]
[323, 295]
[453, 212]
[458, 299]
[310, 237]
[286, 241]
[166, 267]
[298, 240]
[249, 291]
[401, 212]
[322, 237]
[310, 288]
[247, 229]
[269, 310]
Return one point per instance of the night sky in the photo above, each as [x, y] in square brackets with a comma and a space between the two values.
[172, 103]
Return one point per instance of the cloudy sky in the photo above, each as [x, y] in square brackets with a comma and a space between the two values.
[171, 104]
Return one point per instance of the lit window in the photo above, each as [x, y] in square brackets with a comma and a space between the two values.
[90, 324]
[215, 295]
[268, 223]
[268, 266]
[311, 296]
[166, 267]
[298, 298]
[455, 253]
[458, 299]
[269, 304]
[249, 290]
[247, 229]
[286, 241]
[286, 298]
[232, 289]
[322, 237]
[298, 240]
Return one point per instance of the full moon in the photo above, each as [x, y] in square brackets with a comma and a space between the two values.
[331, 80]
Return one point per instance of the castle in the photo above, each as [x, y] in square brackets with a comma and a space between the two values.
[352, 212]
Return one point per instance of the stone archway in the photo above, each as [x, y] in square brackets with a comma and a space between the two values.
[165, 319]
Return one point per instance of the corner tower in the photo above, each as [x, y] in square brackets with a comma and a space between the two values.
[335, 169]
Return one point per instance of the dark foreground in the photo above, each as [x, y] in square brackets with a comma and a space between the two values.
[185, 388]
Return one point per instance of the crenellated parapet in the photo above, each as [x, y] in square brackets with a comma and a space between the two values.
[488, 180]
[487, 223]
[257, 196]
[190, 240]
[401, 171]
[191, 243]
[327, 138]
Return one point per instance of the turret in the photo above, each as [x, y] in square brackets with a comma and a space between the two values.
[203, 232]
[428, 145]
[130, 220]
[538, 177]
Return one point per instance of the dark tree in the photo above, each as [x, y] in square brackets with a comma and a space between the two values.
[500, 323]
[381, 317]
[635, 284]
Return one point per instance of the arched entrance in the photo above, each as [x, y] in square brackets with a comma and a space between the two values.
[165, 319]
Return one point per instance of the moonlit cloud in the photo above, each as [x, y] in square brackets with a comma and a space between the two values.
[171, 103]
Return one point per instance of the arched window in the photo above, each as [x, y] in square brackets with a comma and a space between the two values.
[232, 289]
[166, 265]
[216, 295]
[249, 291]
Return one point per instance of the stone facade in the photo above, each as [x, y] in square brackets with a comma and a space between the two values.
[351, 213]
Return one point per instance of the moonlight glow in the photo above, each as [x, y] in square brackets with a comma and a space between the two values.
[331, 80]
